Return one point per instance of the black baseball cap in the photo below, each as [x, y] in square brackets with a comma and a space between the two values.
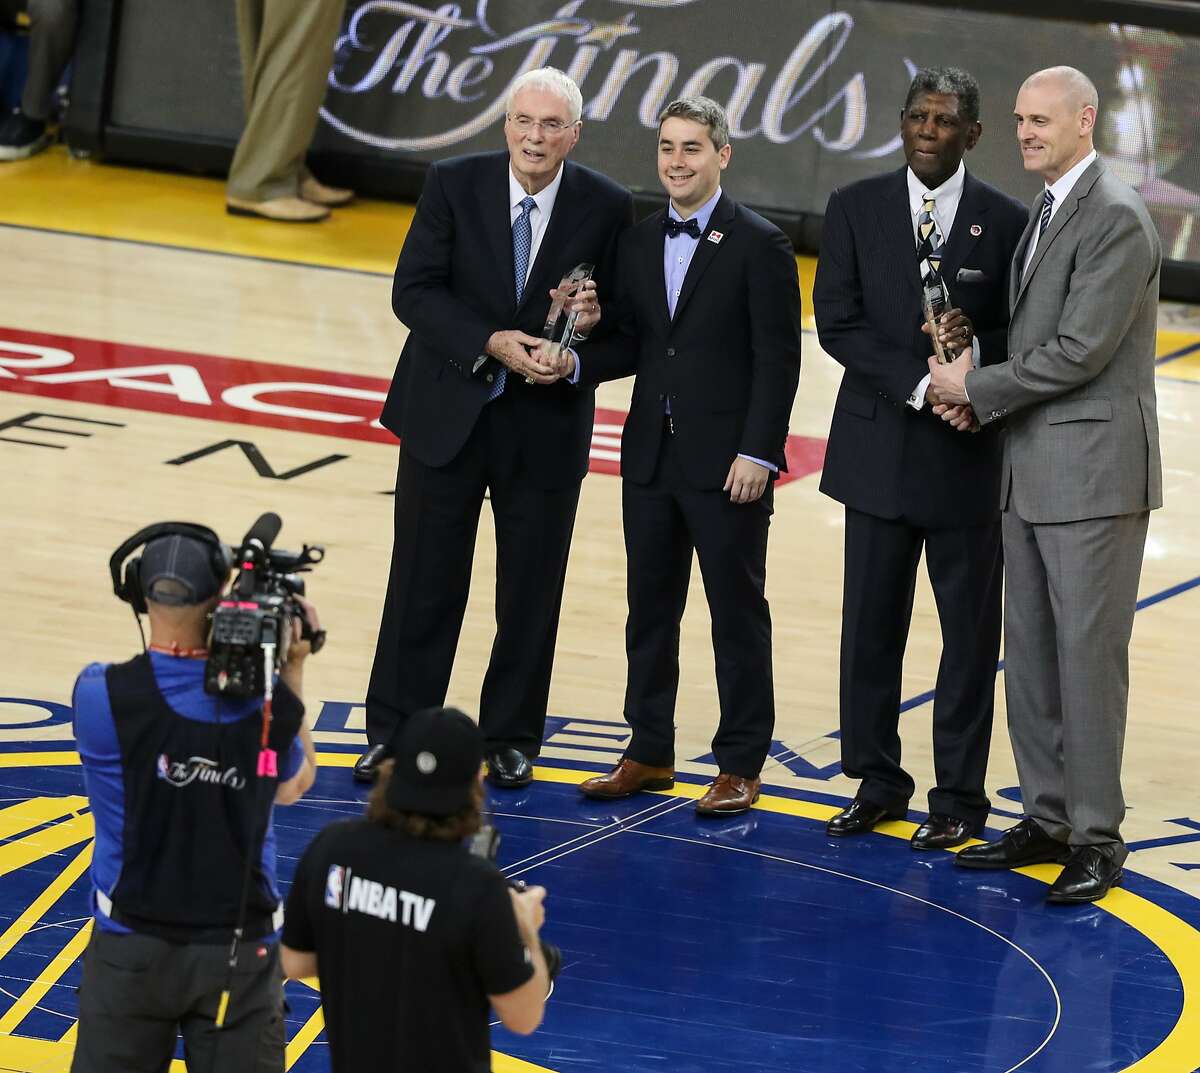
[437, 754]
[179, 570]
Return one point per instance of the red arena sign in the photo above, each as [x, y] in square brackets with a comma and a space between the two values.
[253, 393]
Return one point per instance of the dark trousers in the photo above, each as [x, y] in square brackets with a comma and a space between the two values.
[138, 992]
[664, 521]
[437, 517]
[966, 569]
[51, 41]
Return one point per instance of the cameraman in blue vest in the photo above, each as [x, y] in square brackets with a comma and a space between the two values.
[182, 803]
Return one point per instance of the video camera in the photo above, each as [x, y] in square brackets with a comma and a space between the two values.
[256, 617]
[486, 844]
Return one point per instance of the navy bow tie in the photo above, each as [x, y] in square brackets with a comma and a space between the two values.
[675, 228]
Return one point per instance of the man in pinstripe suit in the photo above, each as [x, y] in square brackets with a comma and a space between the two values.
[907, 483]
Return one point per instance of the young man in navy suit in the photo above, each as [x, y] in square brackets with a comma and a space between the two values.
[906, 482]
[708, 317]
[477, 414]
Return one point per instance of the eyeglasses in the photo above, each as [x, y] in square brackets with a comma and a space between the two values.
[551, 127]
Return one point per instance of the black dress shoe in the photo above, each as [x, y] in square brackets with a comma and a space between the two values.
[1027, 843]
[942, 832]
[368, 764]
[859, 817]
[509, 768]
[1089, 875]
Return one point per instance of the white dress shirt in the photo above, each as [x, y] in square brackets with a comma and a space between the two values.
[1059, 190]
[945, 209]
[539, 215]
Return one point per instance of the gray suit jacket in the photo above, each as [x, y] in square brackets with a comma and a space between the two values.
[1078, 388]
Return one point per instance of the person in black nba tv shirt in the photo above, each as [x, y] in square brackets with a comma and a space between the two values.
[411, 935]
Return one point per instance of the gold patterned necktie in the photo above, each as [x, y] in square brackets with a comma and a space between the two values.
[929, 242]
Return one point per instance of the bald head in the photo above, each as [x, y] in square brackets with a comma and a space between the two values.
[1056, 116]
[1077, 90]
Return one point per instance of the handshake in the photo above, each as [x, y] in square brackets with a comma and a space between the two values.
[947, 392]
[543, 361]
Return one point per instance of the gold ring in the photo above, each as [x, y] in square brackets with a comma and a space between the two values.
[529, 379]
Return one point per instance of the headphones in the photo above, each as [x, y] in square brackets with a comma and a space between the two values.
[127, 586]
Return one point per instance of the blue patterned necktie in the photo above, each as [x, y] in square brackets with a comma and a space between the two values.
[1047, 209]
[929, 243]
[522, 239]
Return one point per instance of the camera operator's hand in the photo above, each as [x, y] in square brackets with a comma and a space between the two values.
[530, 912]
[292, 673]
[301, 647]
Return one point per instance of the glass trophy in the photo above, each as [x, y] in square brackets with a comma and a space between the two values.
[560, 327]
[933, 303]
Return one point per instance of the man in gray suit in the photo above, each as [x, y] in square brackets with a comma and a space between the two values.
[1081, 474]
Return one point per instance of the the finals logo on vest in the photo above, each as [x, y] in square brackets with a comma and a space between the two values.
[181, 773]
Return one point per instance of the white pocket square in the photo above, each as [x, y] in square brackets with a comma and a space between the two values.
[971, 275]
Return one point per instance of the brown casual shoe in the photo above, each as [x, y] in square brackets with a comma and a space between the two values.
[284, 210]
[729, 795]
[318, 193]
[628, 778]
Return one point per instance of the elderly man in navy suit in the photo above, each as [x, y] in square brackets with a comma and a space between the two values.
[477, 413]
[906, 483]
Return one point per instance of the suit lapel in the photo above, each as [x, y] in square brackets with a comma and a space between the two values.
[1018, 261]
[970, 223]
[652, 257]
[495, 212]
[563, 223]
[706, 251]
[1062, 218]
[896, 224]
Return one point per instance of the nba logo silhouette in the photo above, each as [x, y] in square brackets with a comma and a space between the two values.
[333, 886]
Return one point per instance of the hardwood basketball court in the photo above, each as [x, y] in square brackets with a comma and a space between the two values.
[252, 361]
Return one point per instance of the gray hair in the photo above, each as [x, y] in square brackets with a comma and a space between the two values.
[949, 80]
[552, 80]
[1079, 90]
[702, 110]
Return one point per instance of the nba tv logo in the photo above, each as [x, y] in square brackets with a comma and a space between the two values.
[334, 884]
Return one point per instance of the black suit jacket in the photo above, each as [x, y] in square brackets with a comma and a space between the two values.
[454, 287]
[729, 360]
[885, 458]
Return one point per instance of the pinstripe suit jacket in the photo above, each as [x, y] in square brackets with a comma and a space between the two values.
[885, 458]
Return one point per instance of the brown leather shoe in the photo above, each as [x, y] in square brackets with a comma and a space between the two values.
[729, 795]
[628, 778]
[332, 197]
[284, 210]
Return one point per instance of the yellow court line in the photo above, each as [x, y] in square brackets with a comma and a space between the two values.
[506, 1063]
[55, 193]
[303, 1038]
[1169, 341]
[52, 192]
[26, 815]
[47, 978]
[58, 886]
[46, 759]
[34, 847]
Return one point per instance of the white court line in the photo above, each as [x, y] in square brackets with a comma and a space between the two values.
[904, 894]
[624, 826]
[598, 829]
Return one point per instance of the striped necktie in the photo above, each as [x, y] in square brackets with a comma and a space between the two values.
[929, 243]
[1047, 211]
[522, 240]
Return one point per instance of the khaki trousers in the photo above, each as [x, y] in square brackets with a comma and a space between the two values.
[287, 50]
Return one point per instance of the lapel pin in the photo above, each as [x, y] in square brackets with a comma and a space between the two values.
[976, 230]
[714, 237]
